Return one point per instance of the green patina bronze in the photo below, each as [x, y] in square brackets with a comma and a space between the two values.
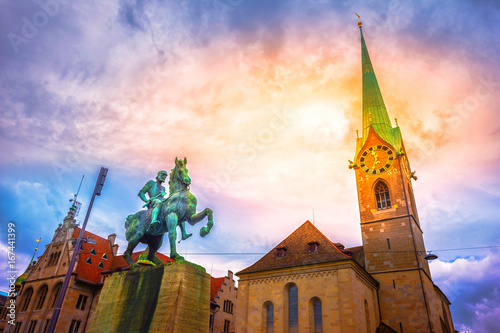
[375, 114]
[178, 208]
[156, 192]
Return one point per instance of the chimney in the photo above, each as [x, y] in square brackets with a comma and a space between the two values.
[112, 245]
[111, 239]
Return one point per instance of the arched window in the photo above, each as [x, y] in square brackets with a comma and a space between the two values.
[27, 299]
[293, 309]
[268, 317]
[42, 293]
[382, 196]
[315, 315]
[55, 295]
[367, 317]
[318, 319]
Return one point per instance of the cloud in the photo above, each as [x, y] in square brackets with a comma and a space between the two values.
[473, 287]
[134, 84]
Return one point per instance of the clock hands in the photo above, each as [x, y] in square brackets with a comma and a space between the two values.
[375, 159]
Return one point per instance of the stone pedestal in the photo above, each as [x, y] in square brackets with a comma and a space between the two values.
[171, 298]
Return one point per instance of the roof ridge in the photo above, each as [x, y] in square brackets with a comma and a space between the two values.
[328, 239]
[296, 245]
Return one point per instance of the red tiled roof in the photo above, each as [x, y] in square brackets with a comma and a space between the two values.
[91, 272]
[215, 285]
[297, 251]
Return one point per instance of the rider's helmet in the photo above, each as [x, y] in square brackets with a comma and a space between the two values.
[162, 172]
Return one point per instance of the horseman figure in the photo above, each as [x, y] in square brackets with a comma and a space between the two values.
[156, 192]
[148, 227]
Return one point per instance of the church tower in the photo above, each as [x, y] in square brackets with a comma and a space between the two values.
[392, 236]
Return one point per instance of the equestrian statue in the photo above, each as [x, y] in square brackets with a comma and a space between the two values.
[164, 215]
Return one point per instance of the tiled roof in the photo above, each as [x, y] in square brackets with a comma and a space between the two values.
[215, 285]
[297, 251]
[358, 255]
[91, 272]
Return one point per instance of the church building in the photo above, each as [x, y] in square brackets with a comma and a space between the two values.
[307, 283]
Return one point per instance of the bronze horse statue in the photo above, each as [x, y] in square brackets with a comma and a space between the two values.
[178, 208]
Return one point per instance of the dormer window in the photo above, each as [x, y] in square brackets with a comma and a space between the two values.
[313, 246]
[280, 252]
[105, 256]
[100, 265]
[88, 261]
[92, 252]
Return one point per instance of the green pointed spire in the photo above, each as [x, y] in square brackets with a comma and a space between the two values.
[374, 111]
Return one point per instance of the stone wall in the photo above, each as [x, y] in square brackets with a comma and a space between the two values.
[342, 287]
[170, 298]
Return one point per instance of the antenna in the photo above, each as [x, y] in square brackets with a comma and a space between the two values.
[80, 186]
[76, 203]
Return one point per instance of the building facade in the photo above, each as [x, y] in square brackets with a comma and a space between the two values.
[43, 280]
[309, 284]
[223, 297]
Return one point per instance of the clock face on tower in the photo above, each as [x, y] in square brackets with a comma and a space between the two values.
[376, 159]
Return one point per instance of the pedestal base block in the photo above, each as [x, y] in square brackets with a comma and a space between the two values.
[171, 298]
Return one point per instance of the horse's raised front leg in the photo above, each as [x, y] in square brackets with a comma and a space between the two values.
[172, 236]
[195, 218]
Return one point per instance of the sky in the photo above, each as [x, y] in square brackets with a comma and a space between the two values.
[263, 98]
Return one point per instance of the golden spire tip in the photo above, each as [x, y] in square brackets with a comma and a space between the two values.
[359, 22]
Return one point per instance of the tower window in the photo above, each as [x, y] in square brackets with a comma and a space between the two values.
[382, 196]
[280, 252]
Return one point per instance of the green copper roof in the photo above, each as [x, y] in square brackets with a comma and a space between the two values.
[374, 111]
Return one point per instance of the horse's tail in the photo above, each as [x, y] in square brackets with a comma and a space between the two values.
[130, 229]
[128, 220]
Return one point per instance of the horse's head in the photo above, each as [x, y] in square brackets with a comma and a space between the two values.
[180, 173]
